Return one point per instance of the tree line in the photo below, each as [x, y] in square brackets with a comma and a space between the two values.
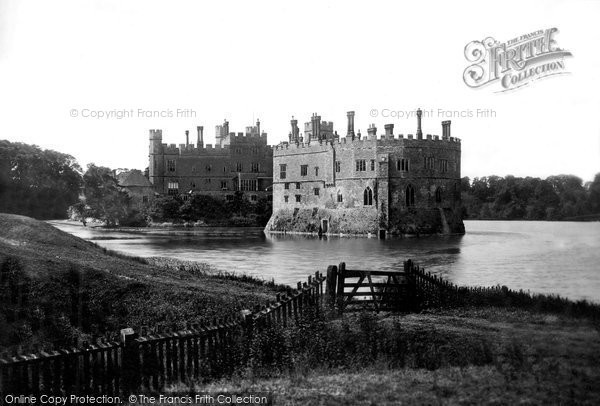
[44, 184]
[558, 197]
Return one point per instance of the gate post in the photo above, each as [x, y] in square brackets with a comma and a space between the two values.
[332, 272]
[340, 286]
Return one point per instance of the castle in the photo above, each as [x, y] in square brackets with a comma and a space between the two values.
[237, 162]
[325, 183]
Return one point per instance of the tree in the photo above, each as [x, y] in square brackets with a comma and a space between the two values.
[594, 195]
[104, 200]
[35, 182]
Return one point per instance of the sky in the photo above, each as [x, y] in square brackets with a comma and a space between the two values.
[65, 63]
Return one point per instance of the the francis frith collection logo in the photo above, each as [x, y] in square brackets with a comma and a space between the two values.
[514, 63]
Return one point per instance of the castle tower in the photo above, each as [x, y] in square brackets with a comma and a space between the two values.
[155, 167]
[187, 139]
[389, 130]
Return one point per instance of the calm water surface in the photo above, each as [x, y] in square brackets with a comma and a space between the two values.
[546, 257]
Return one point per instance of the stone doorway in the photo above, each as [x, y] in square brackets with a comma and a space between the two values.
[324, 225]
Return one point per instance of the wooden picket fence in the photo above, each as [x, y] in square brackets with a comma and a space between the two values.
[151, 361]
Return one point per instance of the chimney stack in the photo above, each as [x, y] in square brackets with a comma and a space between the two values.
[295, 130]
[419, 132]
[225, 128]
[187, 138]
[372, 131]
[258, 126]
[446, 129]
[389, 130]
[350, 133]
[316, 127]
[200, 142]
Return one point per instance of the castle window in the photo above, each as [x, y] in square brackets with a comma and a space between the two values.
[172, 188]
[255, 167]
[223, 185]
[253, 198]
[144, 199]
[438, 195]
[297, 185]
[208, 168]
[192, 185]
[340, 198]
[286, 198]
[298, 198]
[429, 163]
[250, 185]
[444, 165]
[303, 170]
[224, 169]
[207, 180]
[402, 165]
[361, 165]
[372, 164]
[282, 171]
[238, 151]
[186, 197]
[171, 165]
[193, 169]
[254, 150]
[338, 166]
[410, 196]
[239, 167]
[286, 185]
[368, 197]
[316, 191]
[316, 171]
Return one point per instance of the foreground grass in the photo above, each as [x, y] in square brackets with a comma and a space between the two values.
[466, 356]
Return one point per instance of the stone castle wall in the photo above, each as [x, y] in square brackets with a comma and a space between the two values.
[212, 170]
[341, 187]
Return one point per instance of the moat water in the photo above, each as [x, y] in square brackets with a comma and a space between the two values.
[547, 257]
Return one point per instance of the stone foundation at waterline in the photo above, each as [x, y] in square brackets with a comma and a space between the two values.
[355, 221]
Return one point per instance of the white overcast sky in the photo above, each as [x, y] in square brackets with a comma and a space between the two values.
[271, 60]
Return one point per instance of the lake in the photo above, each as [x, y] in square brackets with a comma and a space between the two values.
[546, 257]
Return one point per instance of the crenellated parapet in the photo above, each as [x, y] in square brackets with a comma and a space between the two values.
[401, 140]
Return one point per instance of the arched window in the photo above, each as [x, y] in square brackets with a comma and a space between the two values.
[368, 197]
[410, 196]
[340, 198]
[438, 195]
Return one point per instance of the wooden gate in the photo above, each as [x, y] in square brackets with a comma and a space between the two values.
[352, 289]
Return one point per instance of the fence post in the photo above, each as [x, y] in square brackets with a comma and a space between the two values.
[131, 360]
[331, 284]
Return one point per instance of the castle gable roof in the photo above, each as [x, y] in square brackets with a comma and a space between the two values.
[131, 178]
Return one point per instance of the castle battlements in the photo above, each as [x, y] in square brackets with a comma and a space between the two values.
[371, 141]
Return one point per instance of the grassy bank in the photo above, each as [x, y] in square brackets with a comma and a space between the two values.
[57, 289]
